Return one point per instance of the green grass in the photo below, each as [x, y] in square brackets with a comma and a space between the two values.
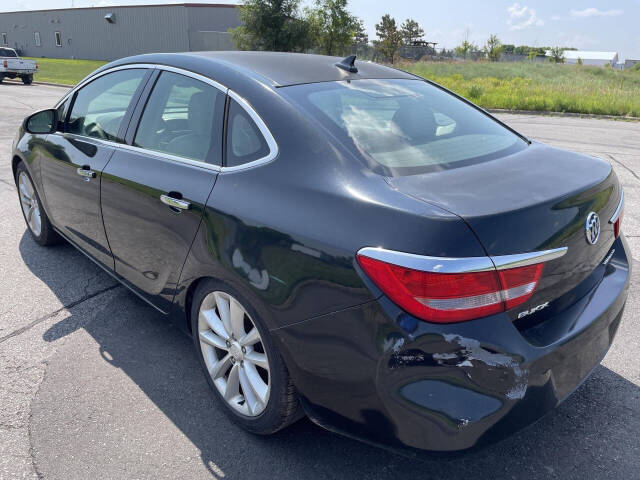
[540, 87]
[61, 70]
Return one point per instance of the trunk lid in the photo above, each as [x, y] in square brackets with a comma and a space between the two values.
[537, 199]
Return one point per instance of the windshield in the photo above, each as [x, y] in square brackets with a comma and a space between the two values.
[403, 127]
[7, 52]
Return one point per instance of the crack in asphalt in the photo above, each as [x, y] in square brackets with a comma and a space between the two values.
[54, 313]
[12, 185]
[624, 166]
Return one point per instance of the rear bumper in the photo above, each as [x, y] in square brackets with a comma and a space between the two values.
[17, 72]
[375, 373]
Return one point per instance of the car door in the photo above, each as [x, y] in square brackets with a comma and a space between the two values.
[77, 154]
[155, 188]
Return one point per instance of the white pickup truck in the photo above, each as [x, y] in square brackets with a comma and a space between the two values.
[12, 66]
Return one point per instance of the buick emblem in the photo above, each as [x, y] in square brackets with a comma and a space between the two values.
[592, 228]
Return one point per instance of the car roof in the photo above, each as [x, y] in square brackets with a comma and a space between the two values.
[277, 69]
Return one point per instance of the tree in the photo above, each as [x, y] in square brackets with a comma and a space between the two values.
[508, 48]
[389, 37]
[411, 31]
[360, 39]
[580, 62]
[556, 55]
[466, 48]
[271, 25]
[332, 26]
[493, 48]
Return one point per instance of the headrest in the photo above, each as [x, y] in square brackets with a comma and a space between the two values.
[414, 123]
[201, 109]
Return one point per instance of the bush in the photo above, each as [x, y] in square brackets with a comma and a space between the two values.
[475, 91]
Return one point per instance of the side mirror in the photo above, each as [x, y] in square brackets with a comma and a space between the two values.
[42, 122]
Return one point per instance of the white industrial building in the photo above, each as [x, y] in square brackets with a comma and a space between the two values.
[599, 59]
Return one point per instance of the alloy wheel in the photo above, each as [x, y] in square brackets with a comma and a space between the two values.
[234, 353]
[29, 203]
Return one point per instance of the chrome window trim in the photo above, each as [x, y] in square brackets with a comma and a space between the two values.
[264, 130]
[463, 264]
[153, 153]
[194, 75]
[616, 214]
[87, 80]
[168, 156]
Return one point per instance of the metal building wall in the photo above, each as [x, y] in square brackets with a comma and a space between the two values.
[208, 27]
[140, 29]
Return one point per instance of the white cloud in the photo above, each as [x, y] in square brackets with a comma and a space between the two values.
[594, 12]
[521, 17]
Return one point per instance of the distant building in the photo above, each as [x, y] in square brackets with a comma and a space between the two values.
[107, 33]
[599, 59]
[630, 63]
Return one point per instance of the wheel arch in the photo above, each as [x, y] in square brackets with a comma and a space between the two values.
[14, 164]
[188, 301]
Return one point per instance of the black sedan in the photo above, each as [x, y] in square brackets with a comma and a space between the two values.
[341, 239]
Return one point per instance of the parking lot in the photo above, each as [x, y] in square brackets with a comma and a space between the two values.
[95, 384]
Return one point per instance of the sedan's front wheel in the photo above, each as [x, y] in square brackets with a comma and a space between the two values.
[39, 225]
[240, 361]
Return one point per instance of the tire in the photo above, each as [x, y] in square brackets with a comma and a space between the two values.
[27, 79]
[282, 407]
[45, 235]
[1, 78]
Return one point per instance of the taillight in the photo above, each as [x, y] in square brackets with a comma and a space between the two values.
[453, 297]
[617, 226]
[617, 216]
[5, 64]
[36, 65]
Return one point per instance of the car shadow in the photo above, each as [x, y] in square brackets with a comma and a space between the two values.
[592, 435]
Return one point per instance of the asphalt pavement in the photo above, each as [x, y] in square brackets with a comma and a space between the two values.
[95, 384]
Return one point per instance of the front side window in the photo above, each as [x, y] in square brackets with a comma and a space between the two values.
[36, 37]
[58, 39]
[404, 127]
[4, 39]
[183, 117]
[245, 142]
[99, 107]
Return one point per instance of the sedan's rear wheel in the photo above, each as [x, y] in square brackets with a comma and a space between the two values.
[37, 220]
[241, 363]
[234, 353]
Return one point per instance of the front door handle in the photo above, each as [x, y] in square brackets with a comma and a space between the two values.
[86, 172]
[175, 202]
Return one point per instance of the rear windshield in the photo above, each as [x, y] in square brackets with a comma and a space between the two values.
[405, 127]
[7, 52]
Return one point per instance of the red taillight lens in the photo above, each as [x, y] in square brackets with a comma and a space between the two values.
[453, 297]
[617, 226]
[36, 65]
[5, 64]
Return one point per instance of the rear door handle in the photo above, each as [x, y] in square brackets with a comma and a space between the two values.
[175, 202]
[86, 172]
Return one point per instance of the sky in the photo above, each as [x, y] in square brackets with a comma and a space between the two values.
[592, 25]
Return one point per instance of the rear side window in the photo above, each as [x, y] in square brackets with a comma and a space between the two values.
[183, 117]
[245, 142]
[99, 107]
[404, 127]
